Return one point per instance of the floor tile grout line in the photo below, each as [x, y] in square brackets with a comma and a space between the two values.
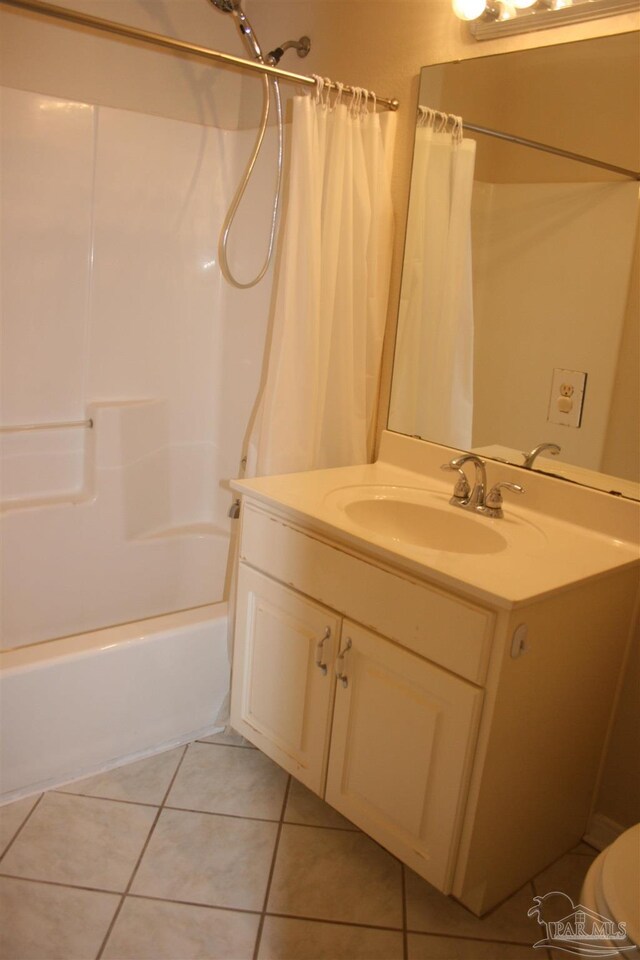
[123, 895]
[236, 746]
[96, 796]
[467, 936]
[335, 923]
[272, 868]
[216, 813]
[322, 826]
[20, 828]
[141, 855]
[175, 774]
[59, 883]
[238, 816]
[326, 826]
[195, 903]
[133, 896]
[405, 935]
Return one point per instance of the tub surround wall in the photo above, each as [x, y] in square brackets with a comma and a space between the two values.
[124, 211]
[122, 316]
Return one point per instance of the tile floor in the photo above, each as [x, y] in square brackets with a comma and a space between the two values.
[211, 852]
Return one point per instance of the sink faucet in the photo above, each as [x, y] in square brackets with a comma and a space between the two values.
[476, 499]
[553, 449]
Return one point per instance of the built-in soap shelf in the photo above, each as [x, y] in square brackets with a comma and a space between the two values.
[132, 524]
[44, 466]
[123, 441]
[57, 465]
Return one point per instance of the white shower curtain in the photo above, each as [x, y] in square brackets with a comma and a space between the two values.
[317, 406]
[432, 394]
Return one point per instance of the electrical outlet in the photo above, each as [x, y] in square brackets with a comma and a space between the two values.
[567, 397]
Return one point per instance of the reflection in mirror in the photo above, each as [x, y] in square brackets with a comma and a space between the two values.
[518, 319]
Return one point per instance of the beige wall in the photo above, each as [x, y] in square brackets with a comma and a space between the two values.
[45, 56]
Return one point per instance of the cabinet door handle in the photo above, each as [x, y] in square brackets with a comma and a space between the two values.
[340, 674]
[320, 651]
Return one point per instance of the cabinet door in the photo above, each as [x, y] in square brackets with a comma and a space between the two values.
[283, 682]
[402, 742]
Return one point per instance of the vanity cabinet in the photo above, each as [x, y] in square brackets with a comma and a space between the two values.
[464, 736]
[401, 743]
[383, 734]
[282, 694]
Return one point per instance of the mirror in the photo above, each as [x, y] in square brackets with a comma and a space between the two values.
[552, 336]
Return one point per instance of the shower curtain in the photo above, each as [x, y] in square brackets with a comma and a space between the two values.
[432, 394]
[317, 405]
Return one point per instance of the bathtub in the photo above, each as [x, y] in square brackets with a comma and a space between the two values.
[80, 705]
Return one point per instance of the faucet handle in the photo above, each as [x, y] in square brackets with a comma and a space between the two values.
[462, 489]
[494, 497]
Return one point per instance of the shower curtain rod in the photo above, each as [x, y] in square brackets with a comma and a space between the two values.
[179, 46]
[545, 148]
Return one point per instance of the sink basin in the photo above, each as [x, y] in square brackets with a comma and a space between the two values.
[424, 518]
[424, 525]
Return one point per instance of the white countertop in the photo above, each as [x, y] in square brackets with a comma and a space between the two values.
[544, 553]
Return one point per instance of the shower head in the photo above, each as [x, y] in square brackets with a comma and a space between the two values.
[226, 6]
[245, 28]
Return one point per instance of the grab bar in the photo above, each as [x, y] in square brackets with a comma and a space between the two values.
[60, 425]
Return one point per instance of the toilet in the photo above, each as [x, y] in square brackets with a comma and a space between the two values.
[611, 887]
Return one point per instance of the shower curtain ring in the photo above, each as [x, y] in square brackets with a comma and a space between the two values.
[328, 86]
[319, 87]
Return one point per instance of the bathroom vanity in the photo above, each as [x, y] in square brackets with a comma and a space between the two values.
[446, 681]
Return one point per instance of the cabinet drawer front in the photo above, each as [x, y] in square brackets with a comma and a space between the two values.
[281, 698]
[401, 749]
[447, 630]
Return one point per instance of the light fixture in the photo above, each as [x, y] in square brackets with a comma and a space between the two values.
[496, 18]
[468, 9]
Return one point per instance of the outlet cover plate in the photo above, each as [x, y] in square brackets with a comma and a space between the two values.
[567, 397]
